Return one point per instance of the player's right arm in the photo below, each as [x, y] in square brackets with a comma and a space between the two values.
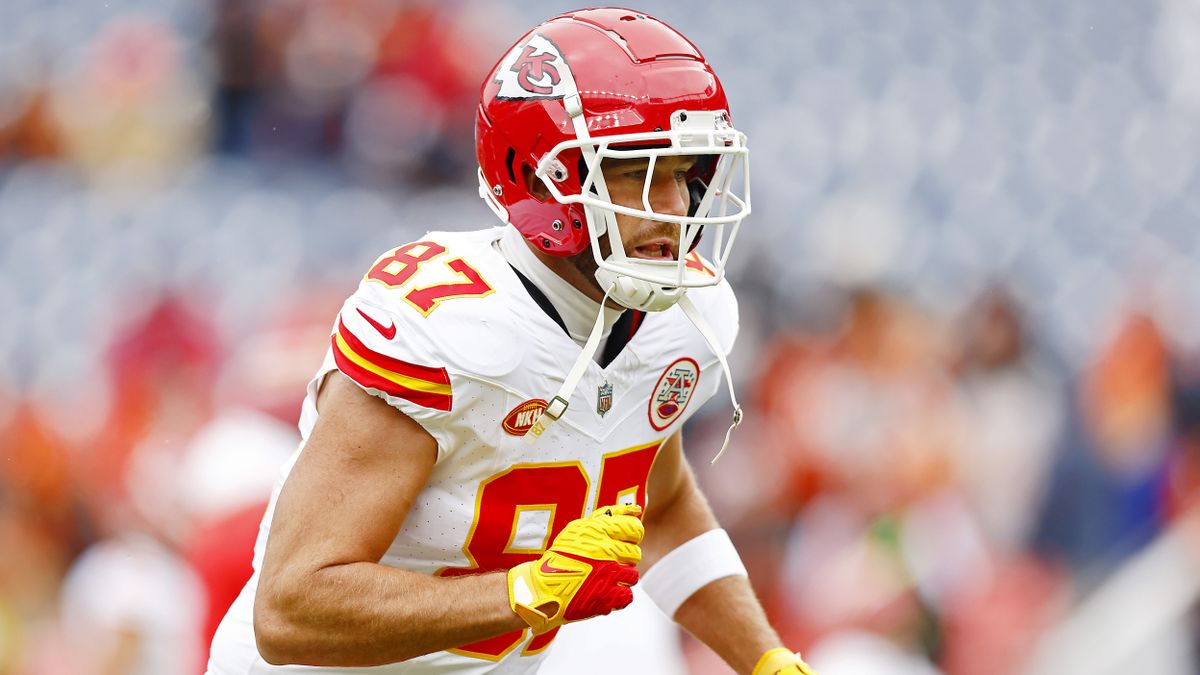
[323, 598]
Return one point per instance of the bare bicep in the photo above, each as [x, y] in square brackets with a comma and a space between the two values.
[353, 484]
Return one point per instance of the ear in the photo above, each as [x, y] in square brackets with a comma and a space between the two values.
[533, 184]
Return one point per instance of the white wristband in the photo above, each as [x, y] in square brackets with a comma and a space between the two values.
[690, 567]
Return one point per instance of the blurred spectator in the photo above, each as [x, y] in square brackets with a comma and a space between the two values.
[862, 420]
[1013, 410]
[225, 479]
[240, 73]
[130, 605]
[389, 87]
[133, 110]
[993, 625]
[1106, 491]
[27, 129]
[38, 535]
[1183, 490]
[866, 411]
[163, 368]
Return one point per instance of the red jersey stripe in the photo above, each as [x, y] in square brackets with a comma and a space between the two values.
[426, 373]
[378, 380]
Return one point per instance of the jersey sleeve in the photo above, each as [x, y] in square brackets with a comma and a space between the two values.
[369, 348]
[431, 361]
[393, 357]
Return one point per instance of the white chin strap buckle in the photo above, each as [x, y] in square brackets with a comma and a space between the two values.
[637, 293]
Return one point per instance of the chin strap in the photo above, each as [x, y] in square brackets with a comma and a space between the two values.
[685, 303]
[561, 401]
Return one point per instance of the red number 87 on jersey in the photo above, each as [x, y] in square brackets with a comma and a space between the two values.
[398, 267]
[557, 490]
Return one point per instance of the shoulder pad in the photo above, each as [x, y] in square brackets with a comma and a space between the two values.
[449, 296]
[719, 306]
[370, 347]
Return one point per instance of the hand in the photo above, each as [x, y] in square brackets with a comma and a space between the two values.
[586, 572]
[782, 661]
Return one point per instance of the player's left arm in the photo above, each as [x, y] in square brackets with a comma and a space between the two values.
[723, 613]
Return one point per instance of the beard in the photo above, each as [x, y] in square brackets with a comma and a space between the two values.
[585, 263]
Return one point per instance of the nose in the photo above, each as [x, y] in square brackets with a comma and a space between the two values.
[667, 196]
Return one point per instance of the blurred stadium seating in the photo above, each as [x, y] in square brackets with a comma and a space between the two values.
[969, 293]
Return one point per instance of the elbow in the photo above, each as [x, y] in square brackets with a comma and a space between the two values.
[276, 634]
[271, 638]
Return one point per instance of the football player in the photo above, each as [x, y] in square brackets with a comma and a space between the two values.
[492, 446]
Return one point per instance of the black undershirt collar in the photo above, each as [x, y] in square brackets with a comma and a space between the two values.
[622, 332]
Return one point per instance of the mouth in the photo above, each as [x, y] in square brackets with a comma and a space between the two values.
[657, 249]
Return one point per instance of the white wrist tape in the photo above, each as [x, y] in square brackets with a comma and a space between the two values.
[690, 567]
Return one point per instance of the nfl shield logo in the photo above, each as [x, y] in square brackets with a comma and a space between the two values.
[603, 398]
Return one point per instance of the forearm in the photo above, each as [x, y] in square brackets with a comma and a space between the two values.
[363, 614]
[726, 616]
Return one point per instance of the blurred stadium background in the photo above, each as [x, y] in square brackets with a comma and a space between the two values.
[970, 294]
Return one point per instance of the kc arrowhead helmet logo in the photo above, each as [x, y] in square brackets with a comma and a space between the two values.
[535, 69]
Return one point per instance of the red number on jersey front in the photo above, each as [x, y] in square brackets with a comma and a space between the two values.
[623, 476]
[558, 490]
[398, 268]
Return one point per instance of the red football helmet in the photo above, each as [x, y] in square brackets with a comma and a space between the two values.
[610, 83]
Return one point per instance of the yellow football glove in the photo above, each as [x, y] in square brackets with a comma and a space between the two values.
[782, 661]
[587, 571]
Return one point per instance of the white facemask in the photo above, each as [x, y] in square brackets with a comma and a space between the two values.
[653, 285]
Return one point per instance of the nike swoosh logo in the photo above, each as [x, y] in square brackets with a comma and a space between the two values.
[388, 333]
[553, 570]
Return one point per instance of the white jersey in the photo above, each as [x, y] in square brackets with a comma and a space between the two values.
[445, 332]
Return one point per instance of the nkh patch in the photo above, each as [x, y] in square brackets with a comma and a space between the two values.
[521, 418]
[534, 69]
[673, 392]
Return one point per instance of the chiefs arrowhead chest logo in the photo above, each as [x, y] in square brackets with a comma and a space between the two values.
[532, 70]
[673, 392]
